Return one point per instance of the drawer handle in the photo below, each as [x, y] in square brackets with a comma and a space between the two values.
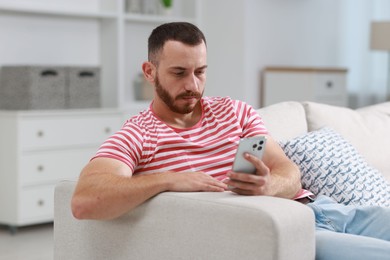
[48, 73]
[329, 84]
[40, 133]
[40, 168]
[107, 130]
[41, 203]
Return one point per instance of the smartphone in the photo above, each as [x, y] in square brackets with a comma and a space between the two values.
[253, 145]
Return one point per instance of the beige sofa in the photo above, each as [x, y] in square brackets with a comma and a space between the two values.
[224, 225]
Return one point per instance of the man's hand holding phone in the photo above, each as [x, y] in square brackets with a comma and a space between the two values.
[249, 175]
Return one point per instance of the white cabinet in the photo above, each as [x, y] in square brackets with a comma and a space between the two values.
[324, 85]
[40, 148]
[89, 32]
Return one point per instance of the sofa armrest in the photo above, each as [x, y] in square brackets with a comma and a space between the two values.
[199, 225]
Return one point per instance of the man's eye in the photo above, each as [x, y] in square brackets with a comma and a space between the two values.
[178, 73]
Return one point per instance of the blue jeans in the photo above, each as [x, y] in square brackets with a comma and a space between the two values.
[350, 232]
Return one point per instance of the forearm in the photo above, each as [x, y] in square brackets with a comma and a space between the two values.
[106, 188]
[107, 196]
[285, 175]
[285, 181]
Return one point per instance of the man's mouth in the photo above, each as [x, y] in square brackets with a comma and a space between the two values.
[186, 96]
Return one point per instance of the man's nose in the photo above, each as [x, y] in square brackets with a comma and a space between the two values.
[192, 83]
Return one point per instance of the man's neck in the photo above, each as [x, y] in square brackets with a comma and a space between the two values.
[177, 120]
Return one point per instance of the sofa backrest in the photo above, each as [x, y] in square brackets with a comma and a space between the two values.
[284, 120]
[367, 129]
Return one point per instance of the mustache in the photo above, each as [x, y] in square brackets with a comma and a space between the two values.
[189, 94]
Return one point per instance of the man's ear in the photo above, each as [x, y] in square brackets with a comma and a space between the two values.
[149, 71]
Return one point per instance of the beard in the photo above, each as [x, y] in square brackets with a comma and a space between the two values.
[170, 100]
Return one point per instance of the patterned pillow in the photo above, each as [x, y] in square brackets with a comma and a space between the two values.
[331, 166]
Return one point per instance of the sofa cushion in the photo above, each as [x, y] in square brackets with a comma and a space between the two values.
[331, 166]
[367, 129]
[284, 120]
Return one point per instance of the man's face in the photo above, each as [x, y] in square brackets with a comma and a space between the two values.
[181, 76]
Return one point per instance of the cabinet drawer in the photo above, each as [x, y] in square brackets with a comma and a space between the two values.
[44, 167]
[36, 203]
[67, 131]
[330, 84]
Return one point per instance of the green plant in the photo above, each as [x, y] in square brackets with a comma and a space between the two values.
[167, 3]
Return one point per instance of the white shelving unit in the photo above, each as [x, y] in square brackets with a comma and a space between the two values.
[41, 148]
[88, 32]
[65, 33]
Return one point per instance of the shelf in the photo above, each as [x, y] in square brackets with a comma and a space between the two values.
[143, 18]
[37, 10]
[129, 17]
[99, 32]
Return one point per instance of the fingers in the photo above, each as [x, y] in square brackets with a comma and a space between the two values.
[214, 188]
[261, 168]
[198, 181]
[250, 184]
[214, 185]
[208, 183]
[244, 188]
[236, 186]
[242, 177]
[244, 181]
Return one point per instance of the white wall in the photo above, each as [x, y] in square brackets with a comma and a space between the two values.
[367, 68]
[245, 36]
[223, 24]
[56, 41]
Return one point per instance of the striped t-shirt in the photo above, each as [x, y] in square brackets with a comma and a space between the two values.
[148, 145]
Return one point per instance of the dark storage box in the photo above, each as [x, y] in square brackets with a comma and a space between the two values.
[83, 87]
[49, 87]
[32, 87]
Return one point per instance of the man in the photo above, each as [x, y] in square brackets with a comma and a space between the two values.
[187, 142]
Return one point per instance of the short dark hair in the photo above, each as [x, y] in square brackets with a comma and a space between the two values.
[184, 32]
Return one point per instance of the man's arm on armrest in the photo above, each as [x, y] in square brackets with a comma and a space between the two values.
[107, 189]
